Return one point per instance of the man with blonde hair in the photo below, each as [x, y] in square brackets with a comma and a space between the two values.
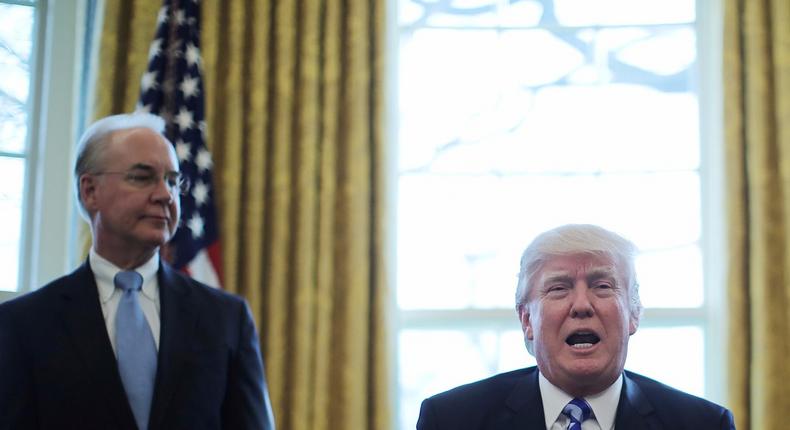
[577, 299]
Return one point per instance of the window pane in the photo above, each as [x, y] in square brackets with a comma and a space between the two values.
[460, 237]
[477, 13]
[12, 176]
[16, 32]
[654, 352]
[503, 102]
[617, 12]
[432, 361]
[664, 51]
[671, 278]
[16, 47]
[457, 13]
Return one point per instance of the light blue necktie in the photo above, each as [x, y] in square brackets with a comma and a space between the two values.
[134, 344]
[578, 411]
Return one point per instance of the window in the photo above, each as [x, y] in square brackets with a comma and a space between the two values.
[44, 49]
[17, 23]
[516, 116]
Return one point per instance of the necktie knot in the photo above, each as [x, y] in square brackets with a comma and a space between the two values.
[578, 411]
[128, 280]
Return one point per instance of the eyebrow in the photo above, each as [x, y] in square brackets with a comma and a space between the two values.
[142, 166]
[148, 168]
[559, 277]
[594, 273]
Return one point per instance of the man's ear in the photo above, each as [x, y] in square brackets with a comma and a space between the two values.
[88, 191]
[526, 324]
[633, 324]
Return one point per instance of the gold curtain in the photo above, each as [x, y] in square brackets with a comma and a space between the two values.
[294, 107]
[757, 139]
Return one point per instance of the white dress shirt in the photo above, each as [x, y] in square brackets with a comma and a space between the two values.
[603, 405]
[109, 296]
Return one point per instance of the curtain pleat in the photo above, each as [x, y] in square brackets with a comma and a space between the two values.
[294, 107]
[757, 138]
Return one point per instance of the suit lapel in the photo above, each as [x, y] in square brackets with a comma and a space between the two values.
[634, 410]
[178, 319]
[84, 321]
[526, 405]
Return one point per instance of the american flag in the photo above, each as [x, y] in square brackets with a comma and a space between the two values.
[172, 87]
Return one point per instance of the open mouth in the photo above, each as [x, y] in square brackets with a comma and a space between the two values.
[582, 339]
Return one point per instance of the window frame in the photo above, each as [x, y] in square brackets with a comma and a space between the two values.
[710, 25]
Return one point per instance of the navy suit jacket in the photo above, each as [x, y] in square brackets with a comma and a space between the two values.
[512, 401]
[58, 369]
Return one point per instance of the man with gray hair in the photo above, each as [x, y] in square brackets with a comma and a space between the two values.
[125, 341]
[578, 303]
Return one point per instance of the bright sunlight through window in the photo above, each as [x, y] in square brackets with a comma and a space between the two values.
[16, 47]
[516, 116]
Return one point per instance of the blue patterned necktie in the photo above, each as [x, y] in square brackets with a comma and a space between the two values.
[135, 346]
[578, 411]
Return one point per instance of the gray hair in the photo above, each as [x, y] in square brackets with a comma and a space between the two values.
[578, 239]
[94, 140]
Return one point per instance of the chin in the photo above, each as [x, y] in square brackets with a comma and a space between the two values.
[586, 366]
[156, 240]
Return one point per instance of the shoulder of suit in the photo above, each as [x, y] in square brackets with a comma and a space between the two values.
[205, 291]
[54, 287]
[488, 387]
[671, 400]
[32, 303]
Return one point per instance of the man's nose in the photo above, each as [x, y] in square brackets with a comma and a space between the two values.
[581, 307]
[163, 192]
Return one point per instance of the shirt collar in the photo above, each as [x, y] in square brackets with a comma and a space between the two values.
[105, 272]
[603, 404]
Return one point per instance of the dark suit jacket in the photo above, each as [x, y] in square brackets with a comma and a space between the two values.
[511, 401]
[58, 369]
